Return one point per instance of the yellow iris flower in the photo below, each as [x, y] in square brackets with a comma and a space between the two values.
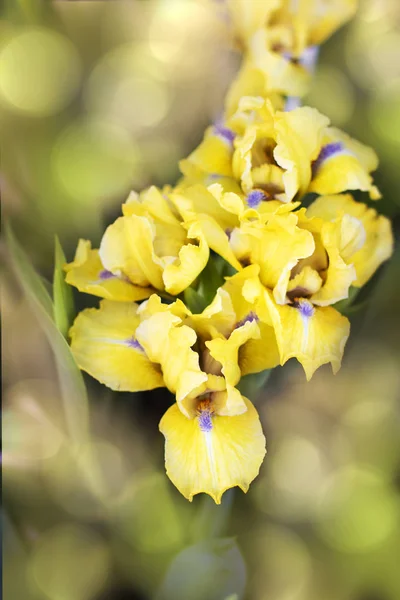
[280, 155]
[87, 273]
[293, 25]
[214, 439]
[239, 197]
[148, 248]
[280, 39]
[306, 262]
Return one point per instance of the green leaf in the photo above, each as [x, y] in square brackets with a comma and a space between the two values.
[31, 282]
[212, 569]
[211, 279]
[71, 380]
[251, 385]
[193, 300]
[62, 292]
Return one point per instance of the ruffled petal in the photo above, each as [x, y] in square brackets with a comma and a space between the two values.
[169, 343]
[104, 344]
[277, 248]
[212, 456]
[127, 247]
[313, 335]
[344, 164]
[299, 135]
[226, 352]
[378, 243]
[180, 272]
[339, 275]
[87, 273]
[219, 317]
[213, 155]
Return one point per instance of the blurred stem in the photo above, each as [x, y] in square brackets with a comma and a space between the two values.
[212, 519]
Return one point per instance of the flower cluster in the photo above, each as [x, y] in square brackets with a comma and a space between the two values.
[238, 206]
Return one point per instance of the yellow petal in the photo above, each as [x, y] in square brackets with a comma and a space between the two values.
[344, 164]
[277, 248]
[219, 317]
[298, 135]
[200, 199]
[313, 335]
[250, 81]
[246, 17]
[87, 273]
[226, 352]
[378, 244]
[213, 155]
[282, 74]
[259, 354]
[169, 343]
[218, 240]
[339, 275]
[128, 247]
[312, 21]
[104, 344]
[152, 202]
[246, 293]
[229, 454]
[179, 273]
[305, 283]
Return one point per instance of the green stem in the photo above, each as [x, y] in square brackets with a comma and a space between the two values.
[212, 519]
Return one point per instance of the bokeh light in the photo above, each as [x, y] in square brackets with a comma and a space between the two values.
[39, 71]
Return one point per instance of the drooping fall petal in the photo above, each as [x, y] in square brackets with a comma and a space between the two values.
[214, 455]
[104, 344]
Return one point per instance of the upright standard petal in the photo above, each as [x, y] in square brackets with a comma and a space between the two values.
[180, 272]
[127, 247]
[298, 135]
[378, 242]
[276, 248]
[104, 344]
[87, 273]
[313, 335]
[226, 352]
[212, 453]
[168, 343]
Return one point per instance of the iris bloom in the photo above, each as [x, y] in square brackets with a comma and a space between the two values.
[214, 439]
[293, 26]
[281, 39]
[281, 155]
[148, 248]
[304, 263]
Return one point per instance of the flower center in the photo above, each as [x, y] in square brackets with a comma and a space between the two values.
[205, 412]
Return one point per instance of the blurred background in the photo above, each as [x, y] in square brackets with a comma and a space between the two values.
[96, 99]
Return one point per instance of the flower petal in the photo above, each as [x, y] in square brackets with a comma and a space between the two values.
[378, 245]
[314, 336]
[87, 273]
[169, 343]
[128, 247]
[180, 272]
[346, 169]
[104, 344]
[213, 155]
[298, 136]
[229, 454]
[226, 352]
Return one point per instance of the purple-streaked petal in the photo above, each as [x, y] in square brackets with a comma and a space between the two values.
[327, 152]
